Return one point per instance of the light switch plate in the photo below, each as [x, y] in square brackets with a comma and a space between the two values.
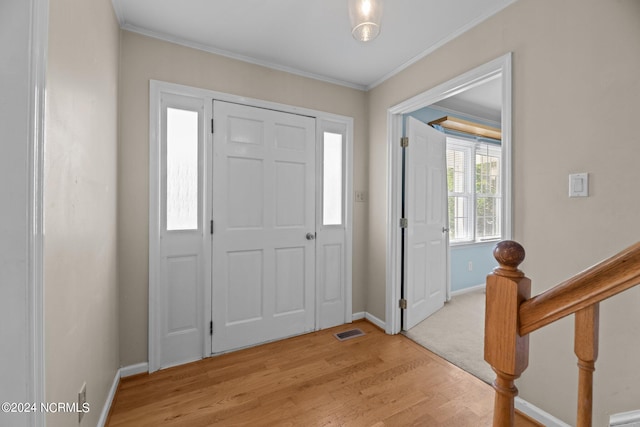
[579, 185]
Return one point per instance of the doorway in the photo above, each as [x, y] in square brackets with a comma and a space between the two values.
[500, 67]
[250, 228]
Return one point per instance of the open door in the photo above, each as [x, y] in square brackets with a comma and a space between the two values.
[426, 246]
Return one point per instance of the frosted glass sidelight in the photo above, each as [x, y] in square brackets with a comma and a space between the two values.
[332, 179]
[182, 169]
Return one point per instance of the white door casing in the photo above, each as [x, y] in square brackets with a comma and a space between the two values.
[263, 209]
[497, 68]
[426, 239]
[337, 239]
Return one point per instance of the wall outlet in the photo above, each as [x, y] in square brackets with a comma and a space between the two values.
[361, 196]
[82, 399]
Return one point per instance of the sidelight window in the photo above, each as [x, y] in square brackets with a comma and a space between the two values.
[182, 169]
[332, 182]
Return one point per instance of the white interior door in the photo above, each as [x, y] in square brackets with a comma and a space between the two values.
[184, 243]
[426, 239]
[264, 225]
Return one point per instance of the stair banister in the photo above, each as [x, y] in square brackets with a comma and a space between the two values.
[511, 315]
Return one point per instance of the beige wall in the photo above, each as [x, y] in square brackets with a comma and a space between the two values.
[144, 58]
[576, 101]
[81, 295]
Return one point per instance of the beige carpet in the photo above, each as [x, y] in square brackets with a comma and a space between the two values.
[456, 333]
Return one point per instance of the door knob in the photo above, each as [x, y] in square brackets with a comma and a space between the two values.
[445, 230]
[311, 236]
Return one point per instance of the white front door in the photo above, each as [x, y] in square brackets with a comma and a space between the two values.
[426, 239]
[264, 225]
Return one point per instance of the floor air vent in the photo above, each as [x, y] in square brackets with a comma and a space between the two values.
[351, 333]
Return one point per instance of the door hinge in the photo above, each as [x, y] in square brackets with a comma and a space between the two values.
[211, 227]
[211, 125]
[211, 328]
[404, 222]
[403, 304]
[404, 141]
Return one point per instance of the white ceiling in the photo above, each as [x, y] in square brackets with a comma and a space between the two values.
[483, 101]
[308, 37]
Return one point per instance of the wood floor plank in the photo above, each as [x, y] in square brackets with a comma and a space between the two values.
[311, 380]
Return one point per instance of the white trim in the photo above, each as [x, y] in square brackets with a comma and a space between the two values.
[118, 12]
[439, 44]
[210, 49]
[370, 317]
[373, 319]
[625, 419]
[156, 88]
[359, 315]
[498, 67]
[538, 414]
[154, 223]
[394, 242]
[37, 85]
[349, 207]
[363, 87]
[138, 368]
[468, 290]
[123, 372]
[102, 421]
[180, 89]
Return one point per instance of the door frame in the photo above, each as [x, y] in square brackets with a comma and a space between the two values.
[498, 67]
[156, 89]
[22, 305]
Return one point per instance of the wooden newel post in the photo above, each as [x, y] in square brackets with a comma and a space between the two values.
[504, 349]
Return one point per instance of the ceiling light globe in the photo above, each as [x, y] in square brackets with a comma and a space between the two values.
[365, 31]
[365, 16]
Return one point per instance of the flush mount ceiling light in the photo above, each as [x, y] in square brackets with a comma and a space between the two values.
[365, 18]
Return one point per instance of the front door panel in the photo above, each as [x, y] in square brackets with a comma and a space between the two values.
[263, 208]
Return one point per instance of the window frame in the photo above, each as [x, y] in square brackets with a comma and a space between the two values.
[327, 126]
[472, 146]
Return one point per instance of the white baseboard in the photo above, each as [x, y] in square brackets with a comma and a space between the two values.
[538, 414]
[373, 319]
[125, 371]
[359, 315]
[467, 290]
[625, 419]
[138, 368]
[370, 317]
[107, 404]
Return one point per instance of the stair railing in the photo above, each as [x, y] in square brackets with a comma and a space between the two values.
[511, 315]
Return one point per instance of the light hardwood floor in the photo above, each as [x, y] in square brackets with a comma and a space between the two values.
[310, 380]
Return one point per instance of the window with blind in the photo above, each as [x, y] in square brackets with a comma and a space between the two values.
[474, 187]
